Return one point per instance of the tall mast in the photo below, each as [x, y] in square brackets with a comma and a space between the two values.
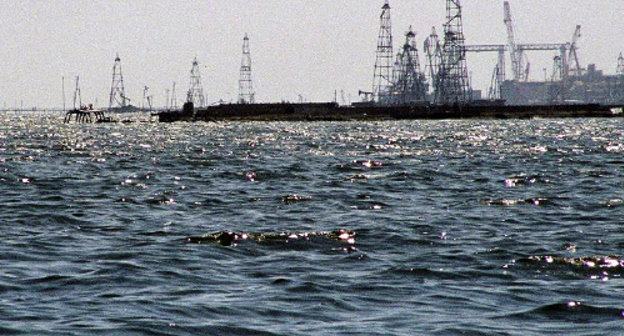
[245, 85]
[384, 57]
[118, 97]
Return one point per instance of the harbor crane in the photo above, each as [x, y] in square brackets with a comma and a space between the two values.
[519, 65]
[573, 56]
[498, 76]
[517, 55]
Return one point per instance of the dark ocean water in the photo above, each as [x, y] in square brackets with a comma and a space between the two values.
[378, 228]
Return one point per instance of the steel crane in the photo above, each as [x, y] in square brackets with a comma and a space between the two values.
[573, 56]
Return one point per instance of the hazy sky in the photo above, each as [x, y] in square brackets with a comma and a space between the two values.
[299, 47]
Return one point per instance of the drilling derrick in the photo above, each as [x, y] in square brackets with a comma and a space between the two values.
[382, 81]
[452, 85]
[396, 71]
[118, 97]
[410, 86]
[433, 52]
[245, 85]
[618, 95]
[494, 91]
[77, 95]
[556, 87]
[147, 99]
[174, 99]
[195, 93]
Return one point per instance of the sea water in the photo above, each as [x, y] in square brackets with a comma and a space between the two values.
[473, 227]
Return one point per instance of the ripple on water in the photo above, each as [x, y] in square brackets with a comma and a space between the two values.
[107, 222]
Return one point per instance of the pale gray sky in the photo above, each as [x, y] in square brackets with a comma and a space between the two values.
[298, 46]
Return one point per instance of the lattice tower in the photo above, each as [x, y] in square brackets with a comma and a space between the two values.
[382, 80]
[452, 85]
[118, 97]
[195, 93]
[245, 85]
[620, 65]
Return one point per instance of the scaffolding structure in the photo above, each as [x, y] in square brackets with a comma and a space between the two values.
[118, 97]
[452, 82]
[382, 81]
[245, 85]
[195, 93]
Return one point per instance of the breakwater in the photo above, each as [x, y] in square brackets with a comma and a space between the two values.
[363, 112]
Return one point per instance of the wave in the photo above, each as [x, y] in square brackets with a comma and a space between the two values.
[572, 311]
[229, 238]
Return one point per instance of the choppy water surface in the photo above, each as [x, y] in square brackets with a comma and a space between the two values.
[388, 228]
